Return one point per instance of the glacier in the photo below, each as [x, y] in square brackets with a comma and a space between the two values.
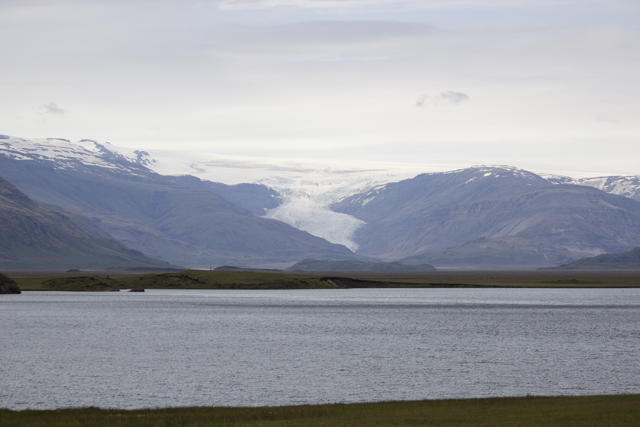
[307, 188]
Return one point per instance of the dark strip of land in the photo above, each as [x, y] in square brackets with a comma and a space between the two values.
[205, 279]
[584, 411]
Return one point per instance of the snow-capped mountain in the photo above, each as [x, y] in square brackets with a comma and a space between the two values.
[183, 221]
[490, 216]
[341, 202]
[627, 186]
[67, 154]
[306, 188]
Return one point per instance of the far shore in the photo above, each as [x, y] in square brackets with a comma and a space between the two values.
[30, 280]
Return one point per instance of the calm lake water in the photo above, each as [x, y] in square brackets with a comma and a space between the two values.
[244, 348]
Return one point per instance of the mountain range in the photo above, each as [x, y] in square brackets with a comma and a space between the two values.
[178, 220]
[490, 217]
[480, 217]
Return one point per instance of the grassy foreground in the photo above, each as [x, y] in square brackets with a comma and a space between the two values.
[623, 410]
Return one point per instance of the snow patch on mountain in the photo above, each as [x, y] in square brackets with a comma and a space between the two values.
[67, 154]
[627, 186]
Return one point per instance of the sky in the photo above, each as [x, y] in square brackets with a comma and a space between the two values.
[538, 84]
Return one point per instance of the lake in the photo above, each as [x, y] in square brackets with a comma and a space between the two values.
[282, 347]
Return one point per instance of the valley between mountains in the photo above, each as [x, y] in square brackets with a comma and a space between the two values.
[93, 206]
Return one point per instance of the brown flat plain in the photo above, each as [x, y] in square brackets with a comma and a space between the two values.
[527, 278]
[31, 280]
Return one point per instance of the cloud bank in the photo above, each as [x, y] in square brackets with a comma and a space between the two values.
[324, 79]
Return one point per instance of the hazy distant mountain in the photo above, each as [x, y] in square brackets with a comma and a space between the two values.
[255, 198]
[495, 252]
[627, 186]
[491, 216]
[33, 237]
[352, 265]
[625, 260]
[155, 214]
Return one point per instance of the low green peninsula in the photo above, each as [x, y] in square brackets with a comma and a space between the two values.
[237, 278]
[83, 284]
[222, 279]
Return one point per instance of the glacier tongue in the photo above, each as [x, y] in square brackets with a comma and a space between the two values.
[307, 197]
[309, 215]
[307, 188]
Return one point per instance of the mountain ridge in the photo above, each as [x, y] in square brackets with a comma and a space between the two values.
[420, 219]
[34, 237]
[453, 218]
[625, 260]
[156, 214]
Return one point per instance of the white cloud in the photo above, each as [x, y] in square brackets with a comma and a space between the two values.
[53, 108]
[449, 97]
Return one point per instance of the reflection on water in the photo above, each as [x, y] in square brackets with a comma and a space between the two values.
[240, 348]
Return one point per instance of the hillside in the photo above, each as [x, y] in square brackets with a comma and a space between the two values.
[8, 286]
[34, 237]
[154, 214]
[625, 260]
[494, 252]
[627, 186]
[480, 217]
[352, 265]
[491, 217]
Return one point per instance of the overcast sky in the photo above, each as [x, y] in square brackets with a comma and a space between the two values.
[537, 84]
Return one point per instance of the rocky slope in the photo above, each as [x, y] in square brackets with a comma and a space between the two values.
[34, 237]
[110, 195]
[625, 260]
[491, 217]
[627, 186]
[8, 286]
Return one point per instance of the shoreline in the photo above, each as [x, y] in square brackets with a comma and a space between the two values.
[212, 279]
[615, 410]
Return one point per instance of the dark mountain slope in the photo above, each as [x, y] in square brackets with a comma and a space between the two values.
[162, 218]
[352, 265]
[252, 197]
[438, 212]
[496, 253]
[625, 260]
[33, 237]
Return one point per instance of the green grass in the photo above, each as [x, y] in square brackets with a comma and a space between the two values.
[584, 411]
[83, 284]
[206, 279]
[30, 283]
